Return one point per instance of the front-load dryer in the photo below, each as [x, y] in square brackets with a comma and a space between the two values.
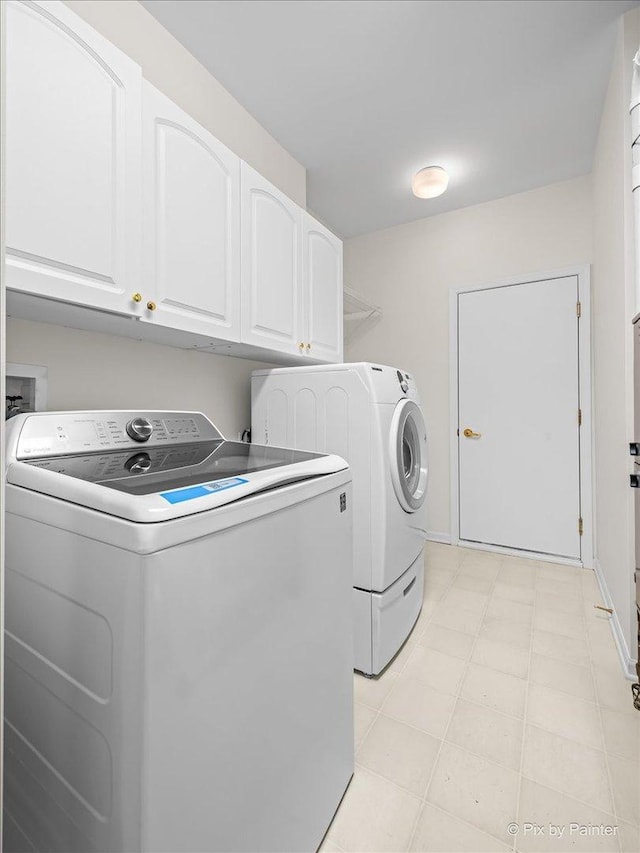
[370, 415]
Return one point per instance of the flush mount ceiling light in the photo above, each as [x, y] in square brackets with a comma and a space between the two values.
[429, 182]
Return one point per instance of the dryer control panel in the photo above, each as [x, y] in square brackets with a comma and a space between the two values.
[62, 433]
[390, 384]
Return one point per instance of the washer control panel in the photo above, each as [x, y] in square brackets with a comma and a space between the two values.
[62, 433]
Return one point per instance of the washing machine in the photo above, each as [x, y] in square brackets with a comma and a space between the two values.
[171, 680]
[370, 415]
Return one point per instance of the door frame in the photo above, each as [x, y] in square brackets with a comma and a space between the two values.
[585, 391]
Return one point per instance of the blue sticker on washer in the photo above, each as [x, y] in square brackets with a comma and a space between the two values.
[202, 491]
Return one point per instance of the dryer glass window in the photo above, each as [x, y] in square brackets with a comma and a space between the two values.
[409, 455]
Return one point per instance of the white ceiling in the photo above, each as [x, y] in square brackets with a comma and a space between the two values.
[505, 94]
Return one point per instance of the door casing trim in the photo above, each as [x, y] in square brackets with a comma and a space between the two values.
[583, 273]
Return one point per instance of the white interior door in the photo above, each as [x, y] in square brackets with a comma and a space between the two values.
[518, 393]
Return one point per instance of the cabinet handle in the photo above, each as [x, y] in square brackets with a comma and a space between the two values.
[308, 347]
[151, 306]
[136, 297]
[300, 346]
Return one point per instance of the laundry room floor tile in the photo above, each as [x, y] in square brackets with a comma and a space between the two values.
[625, 780]
[487, 733]
[465, 600]
[629, 837]
[563, 648]
[478, 568]
[545, 808]
[375, 815]
[565, 715]
[420, 706]
[514, 592]
[363, 717]
[621, 733]
[438, 831]
[435, 669]
[568, 766]
[446, 640]
[372, 691]
[504, 631]
[563, 676]
[494, 689]
[506, 705]
[475, 790]
[510, 611]
[457, 618]
[400, 753]
[503, 656]
[473, 583]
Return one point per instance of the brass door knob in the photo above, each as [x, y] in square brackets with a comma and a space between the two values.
[136, 297]
[469, 433]
[151, 306]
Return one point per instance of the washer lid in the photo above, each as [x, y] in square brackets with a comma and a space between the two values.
[181, 465]
[147, 471]
[408, 455]
[230, 472]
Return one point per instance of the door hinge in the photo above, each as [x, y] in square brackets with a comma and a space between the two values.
[579, 417]
[580, 527]
[578, 309]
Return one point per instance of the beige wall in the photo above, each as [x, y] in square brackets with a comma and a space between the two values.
[94, 371]
[612, 282]
[173, 70]
[409, 270]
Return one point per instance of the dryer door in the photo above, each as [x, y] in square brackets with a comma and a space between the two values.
[408, 455]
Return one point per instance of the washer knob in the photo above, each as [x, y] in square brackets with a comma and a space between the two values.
[139, 429]
[139, 463]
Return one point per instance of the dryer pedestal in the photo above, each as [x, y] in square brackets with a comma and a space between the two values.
[383, 620]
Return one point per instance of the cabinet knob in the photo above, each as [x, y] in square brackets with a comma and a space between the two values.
[308, 347]
[136, 297]
[300, 346]
[151, 306]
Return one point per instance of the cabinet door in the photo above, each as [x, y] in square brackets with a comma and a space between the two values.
[322, 291]
[271, 266]
[73, 104]
[191, 223]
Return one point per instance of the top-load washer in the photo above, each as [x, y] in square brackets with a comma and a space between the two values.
[171, 679]
[370, 415]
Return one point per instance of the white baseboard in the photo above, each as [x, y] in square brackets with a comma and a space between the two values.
[515, 552]
[627, 662]
[436, 536]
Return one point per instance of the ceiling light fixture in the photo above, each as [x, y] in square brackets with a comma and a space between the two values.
[429, 182]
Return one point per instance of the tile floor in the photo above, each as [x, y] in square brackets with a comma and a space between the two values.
[506, 706]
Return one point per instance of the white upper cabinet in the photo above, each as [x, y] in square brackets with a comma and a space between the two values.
[191, 194]
[118, 201]
[73, 172]
[272, 306]
[322, 265]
